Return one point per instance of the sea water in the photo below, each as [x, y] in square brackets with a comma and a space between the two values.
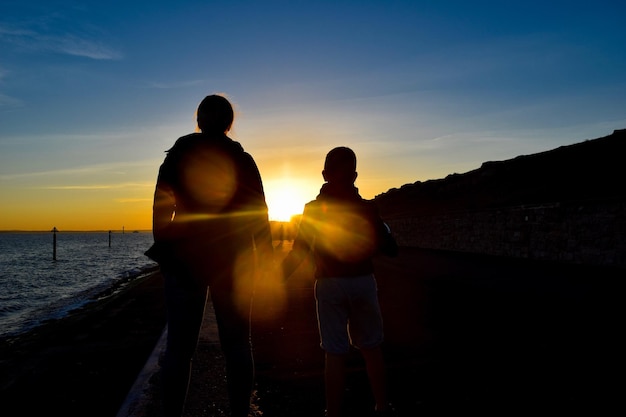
[34, 287]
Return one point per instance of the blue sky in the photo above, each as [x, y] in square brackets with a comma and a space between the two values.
[93, 93]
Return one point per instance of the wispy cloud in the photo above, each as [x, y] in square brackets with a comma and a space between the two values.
[132, 200]
[5, 100]
[99, 186]
[8, 102]
[74, 45]
[119, 168]
[174, 84]
[68, 43]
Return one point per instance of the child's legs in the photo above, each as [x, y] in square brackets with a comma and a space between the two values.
[366, 330]
[332, 318]
[375, 364]
[335, 379]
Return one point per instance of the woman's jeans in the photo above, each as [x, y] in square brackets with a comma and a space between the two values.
[186, 302]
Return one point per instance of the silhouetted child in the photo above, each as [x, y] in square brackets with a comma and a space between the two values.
[344, 232]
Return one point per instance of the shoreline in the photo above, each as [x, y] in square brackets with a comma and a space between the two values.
[115, 288]
[120, 231]
[87, 360]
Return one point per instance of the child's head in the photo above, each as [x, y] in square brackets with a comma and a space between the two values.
[340, 166]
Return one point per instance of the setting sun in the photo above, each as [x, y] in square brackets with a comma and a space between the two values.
[285, 199]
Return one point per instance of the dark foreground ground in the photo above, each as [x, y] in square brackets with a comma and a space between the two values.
[464, 334]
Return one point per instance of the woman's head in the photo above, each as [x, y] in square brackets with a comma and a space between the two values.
[215, 114]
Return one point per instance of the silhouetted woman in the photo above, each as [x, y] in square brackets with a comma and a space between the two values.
[209, 214]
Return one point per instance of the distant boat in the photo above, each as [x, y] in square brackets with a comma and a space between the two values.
[135, 231]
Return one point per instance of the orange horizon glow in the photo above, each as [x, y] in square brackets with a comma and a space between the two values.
[101, 212]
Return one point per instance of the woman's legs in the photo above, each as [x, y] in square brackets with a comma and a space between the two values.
[185, 310]
[234, 329]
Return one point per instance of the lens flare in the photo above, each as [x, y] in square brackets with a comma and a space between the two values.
[270, 295]
[209, 176]
[348, 236]
[243, 281]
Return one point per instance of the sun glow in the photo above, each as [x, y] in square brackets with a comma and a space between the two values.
[285, 199]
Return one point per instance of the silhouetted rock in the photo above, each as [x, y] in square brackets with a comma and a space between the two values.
[564, 205]
[590, 170]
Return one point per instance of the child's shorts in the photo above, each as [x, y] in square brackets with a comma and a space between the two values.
[348, 313]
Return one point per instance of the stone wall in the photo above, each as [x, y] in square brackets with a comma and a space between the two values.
[589, 233]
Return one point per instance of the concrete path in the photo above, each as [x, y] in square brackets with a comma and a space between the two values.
[463, 334]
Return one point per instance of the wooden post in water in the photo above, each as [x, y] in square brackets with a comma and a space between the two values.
[54, 243]
[109, 238]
